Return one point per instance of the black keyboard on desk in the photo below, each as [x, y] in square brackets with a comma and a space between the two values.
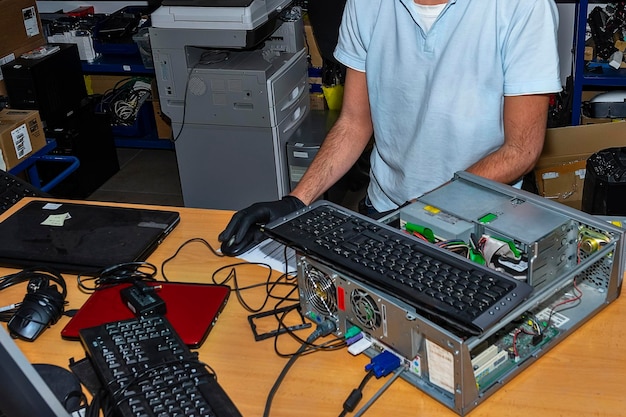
[440, 284]
[13, 189]
[148, 371]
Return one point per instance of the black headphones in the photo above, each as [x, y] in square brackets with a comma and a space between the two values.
[43, 303]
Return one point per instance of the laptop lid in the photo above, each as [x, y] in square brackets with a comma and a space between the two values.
[79, 237]
[192, 308]
[23, 392]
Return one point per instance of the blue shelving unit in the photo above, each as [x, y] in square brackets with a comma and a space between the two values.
[150, 141]
[117, 64]
[598, 74]
[30, 166]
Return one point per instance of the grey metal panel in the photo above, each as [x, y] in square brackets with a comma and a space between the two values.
[205, 85]
[226, 167]
[207, 38]
[514, 216]
[288, 86]
[231, 167]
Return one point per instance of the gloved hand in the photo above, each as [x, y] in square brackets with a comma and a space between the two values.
[242, 232]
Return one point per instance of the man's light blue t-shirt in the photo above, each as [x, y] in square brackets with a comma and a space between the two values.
[436, 98]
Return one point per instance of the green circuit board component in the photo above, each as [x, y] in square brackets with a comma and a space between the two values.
[525, 349]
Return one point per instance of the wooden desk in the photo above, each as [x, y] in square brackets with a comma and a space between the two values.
[585, 375]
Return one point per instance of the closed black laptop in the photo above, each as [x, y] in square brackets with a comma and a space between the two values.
[81, 238]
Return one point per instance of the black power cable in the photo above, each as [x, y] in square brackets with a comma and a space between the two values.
[43, 303]
[323, 329]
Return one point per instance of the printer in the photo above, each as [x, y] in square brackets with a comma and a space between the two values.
[232, 75]
[218, 14]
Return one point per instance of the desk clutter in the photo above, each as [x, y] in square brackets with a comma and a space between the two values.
[191, 308]
[572, 260]
[142, 360]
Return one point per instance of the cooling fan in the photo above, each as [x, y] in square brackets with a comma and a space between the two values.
[318, 292]
[365, 309]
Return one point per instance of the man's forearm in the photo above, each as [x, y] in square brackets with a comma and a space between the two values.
[507, 165]
[344, 143]
[525, 119]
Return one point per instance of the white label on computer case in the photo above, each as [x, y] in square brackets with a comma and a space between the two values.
[556, 319]
[56, 219]
[440, 366]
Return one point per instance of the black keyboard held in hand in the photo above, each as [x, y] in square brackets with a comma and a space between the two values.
[148, 371]
[438, 283]
[13, 189]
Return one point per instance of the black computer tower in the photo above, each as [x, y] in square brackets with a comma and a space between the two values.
[52, 84]
[87, 135]
[604, 190]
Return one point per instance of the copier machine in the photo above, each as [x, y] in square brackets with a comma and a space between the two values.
[233, 77]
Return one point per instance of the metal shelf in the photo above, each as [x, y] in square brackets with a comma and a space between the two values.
[131, 65]
[30, 166]
[117, 64]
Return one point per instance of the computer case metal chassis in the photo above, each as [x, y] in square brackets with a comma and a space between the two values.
[458, 370]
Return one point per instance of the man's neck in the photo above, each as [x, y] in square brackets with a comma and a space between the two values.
[430, 2]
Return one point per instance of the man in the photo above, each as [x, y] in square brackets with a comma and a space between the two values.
[442, 87]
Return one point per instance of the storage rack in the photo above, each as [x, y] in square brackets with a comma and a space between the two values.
[608, 77]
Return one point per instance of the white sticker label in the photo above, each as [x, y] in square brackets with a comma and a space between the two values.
[52, 206]
[440, 366]
[550, 175]
[21, 141]
[30, 21]
[556, 319]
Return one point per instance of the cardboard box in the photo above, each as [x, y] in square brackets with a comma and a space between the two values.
[103, 83]
[20, 31]
[562, 182]
[560, 171]
[317, 101]
[21, 134]
[586, 120]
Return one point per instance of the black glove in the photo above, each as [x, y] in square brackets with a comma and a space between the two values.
[242, 232]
